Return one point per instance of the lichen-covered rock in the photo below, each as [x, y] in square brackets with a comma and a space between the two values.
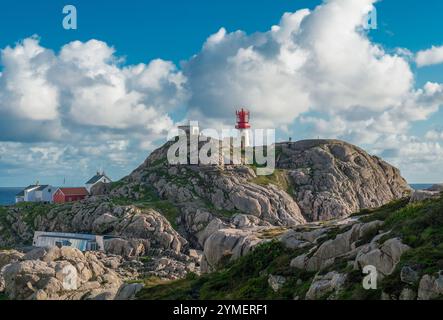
[384, 258]
[326, 285]
[128, 291]
[59, 273]
[226, 245]
[9, 256]
[276, 282]
[343, 244]
[408, 275]
[333, 178]
[99, 215]
[407, 294]
[430, 287]
[247, 221]
[127, 248]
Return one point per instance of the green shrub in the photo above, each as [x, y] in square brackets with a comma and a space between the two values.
[382, 212]
[244, 278]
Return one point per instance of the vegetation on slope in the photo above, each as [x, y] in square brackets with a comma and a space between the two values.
[245, 278]
[27, 214]
[419, 225]
[150, 200]
[278, 178]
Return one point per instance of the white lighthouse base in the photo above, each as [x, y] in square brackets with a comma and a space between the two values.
[244, 135]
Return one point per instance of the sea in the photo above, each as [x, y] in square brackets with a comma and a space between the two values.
[7, 195]
[421, 186]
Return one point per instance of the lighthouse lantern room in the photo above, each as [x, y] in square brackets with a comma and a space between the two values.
[243, 126]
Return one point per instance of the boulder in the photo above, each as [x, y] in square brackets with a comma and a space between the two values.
[407, 294]
[299, 262]
[246, 221]
[408, 275]
[430, 287]
[228, 244]
[294, 240]
[276, 282]
[59, 273]
[212, 227]
[330, 249]
[9, 256]
[327, 284]
[383, 258]
[128, 291]
[104, 223]
[48, 254]
[126, 248]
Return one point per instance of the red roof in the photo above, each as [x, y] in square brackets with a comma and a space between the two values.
[74, 191]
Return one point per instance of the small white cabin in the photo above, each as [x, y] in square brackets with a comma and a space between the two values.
[99, 177]
[36, 193]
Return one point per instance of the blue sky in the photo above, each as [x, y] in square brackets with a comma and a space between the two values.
[175, 32]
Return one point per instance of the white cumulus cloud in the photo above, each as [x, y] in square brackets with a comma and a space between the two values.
[84, 106]
[311, 61]
[428, 57]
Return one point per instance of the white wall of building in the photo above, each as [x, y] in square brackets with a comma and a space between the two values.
[34, 195]
[30, 195]
[90, 185]
[47, 193]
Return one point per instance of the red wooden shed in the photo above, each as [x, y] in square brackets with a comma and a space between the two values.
[63, 195]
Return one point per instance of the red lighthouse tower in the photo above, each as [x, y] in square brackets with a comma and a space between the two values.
[242, 119]
[243, 126]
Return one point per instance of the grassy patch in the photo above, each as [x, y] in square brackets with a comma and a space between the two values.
[168, 210]
[29, 211]
[117, 184]
[331, 234]
[382, 212]
[222, 213]
[32, 210]
[278, 178]
[5, 226]
[165, 207]
[353, 288]
[158, 289]
[150, 200]
[3, 212]
[419, 225]
[3, 297]
[272, 233]
[159, 162]
[145, 259]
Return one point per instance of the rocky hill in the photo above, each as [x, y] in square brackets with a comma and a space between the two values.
[326, 178]
[332, 179]
[179, 220]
